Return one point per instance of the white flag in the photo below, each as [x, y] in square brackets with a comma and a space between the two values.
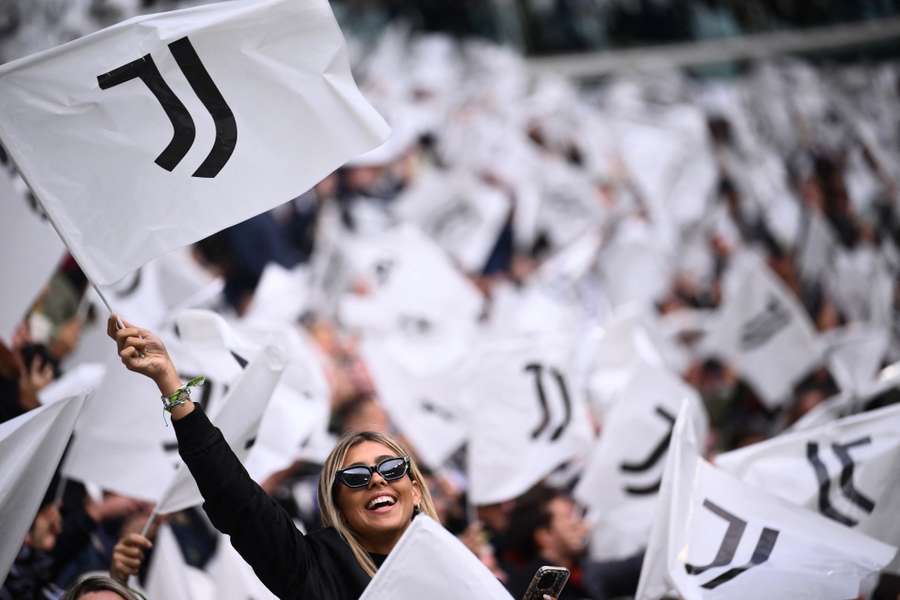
[845, 470]
[569, 203]
[170, 577]
[718, 537]
[83, 379]
[30, 448]
[610, 355]
[411, 282]
[232, 577]
[621, 482]
[422, 404]
[429, 562]
[238, 417]
[459, 212]
[763, 330]
[163, 129]
[525, 413]
[31, 251]
[636, 266]
[300, 409]
[854, 355]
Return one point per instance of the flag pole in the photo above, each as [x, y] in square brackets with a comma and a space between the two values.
[150, 520]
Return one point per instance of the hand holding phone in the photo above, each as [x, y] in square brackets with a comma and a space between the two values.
[548, 581]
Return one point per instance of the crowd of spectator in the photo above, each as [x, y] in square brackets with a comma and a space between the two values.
[822, 144]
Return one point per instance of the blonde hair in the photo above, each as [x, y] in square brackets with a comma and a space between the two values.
[331, 515]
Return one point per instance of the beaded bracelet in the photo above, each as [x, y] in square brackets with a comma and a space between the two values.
[182, 394]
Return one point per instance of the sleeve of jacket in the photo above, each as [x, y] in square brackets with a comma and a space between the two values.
[261, 531]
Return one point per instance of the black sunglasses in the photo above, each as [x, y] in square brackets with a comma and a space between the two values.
[359, 476]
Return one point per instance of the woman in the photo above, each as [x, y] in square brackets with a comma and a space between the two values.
[369, 491]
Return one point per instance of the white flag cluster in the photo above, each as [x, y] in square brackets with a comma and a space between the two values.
[718, 537]
[163, 129]
[845, 470]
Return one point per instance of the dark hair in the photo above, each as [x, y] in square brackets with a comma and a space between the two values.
[100, 583]
[530, 514]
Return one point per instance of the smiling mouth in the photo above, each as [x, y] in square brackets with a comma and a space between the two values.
[381, 504]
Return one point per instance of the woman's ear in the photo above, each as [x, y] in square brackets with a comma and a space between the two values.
[417, 494]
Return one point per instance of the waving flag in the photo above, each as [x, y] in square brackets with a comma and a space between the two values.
[621, 482]
[845, 470]
[30, 448]
[459, 212]
[763, 330]
[716, 537]
[525, 414]
[422, 404]
[429, 562]
[158, 131]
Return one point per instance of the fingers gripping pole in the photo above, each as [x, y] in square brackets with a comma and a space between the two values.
[150, 520]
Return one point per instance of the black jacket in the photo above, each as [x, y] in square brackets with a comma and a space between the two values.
[318, 566]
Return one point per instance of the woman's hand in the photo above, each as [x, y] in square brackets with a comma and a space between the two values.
[128, 555]
[143, 352]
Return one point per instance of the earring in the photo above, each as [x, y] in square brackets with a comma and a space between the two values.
[416, 510]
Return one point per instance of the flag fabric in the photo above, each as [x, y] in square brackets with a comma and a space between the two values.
[411, 283]
[31, 249]
[30, 448]
[569, 205]
[718, 537]
[300, 409]
[636, 267]
[525, 414]
[422, 404]
[763, 331]
[170, 577]
[81, 380]
[610, 354]
[620, 484]
[460, 213]
[232, 577]
[854, 355]
[163, 129]
[429, 562]
[845, 470]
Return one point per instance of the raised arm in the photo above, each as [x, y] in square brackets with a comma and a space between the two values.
[260, 529]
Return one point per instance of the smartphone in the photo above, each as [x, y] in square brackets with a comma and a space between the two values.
[547, 580]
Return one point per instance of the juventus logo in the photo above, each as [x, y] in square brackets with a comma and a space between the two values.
[538, 370]
[842, 452]
[651, 460]
[728, 548]
[189, 62]
[761, 328]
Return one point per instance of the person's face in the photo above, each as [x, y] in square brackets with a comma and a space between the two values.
[379, 525]
[46, 527]
[567, 533]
